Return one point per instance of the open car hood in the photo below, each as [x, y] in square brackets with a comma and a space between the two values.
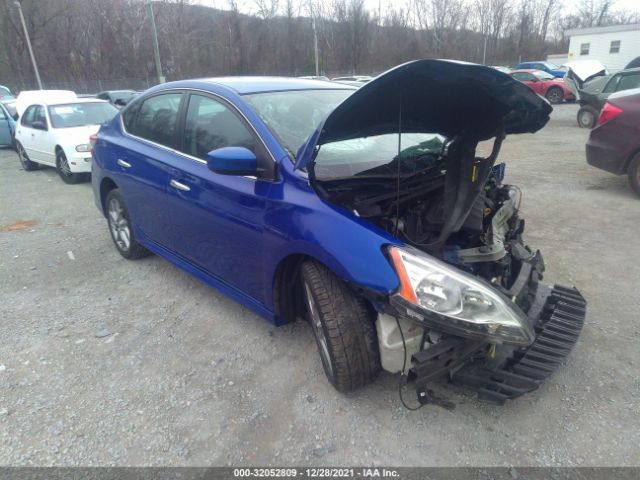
[433, 96]
[579, 72]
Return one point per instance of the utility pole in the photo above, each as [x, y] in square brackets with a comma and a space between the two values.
[26, 35]
[484, 51]
[315, 44]
[154, 37]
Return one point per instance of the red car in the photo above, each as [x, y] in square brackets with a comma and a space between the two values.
[614, 144]
[545, 84]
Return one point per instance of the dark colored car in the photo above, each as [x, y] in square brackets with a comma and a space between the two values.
[594, 94]
[368, 212]
[548, 67]
[118, 98]
[614, 144]
[550, 87]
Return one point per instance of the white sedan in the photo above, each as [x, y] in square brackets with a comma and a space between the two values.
[56, 133]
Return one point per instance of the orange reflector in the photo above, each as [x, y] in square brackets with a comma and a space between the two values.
[406, 290]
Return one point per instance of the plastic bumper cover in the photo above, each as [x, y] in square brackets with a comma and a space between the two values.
[505, 373]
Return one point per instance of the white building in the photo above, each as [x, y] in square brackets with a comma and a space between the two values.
[614, 46]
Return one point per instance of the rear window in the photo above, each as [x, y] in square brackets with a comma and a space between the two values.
[79, 114]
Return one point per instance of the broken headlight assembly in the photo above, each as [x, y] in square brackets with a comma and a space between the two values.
[449, 300]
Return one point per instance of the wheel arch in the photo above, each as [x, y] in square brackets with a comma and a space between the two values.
[287, 288]
[106, 185]
[625, 165]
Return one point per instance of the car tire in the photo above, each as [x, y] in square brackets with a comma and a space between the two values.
[633, 173]
[587, 117]
[343, 327]
[27, 164]
[121, 228]
[64, 170]
[554, 95]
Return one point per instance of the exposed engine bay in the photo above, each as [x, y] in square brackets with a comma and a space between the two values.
[416, 208]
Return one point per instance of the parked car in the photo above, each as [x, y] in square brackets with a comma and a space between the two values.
[56, 133]
[313, 77]
[118, 98]
[385, 230]
[614, 144]
[593, 94]
[5, 93]
[353, 81]
[10, 105]
[7, 127]
[550, 68]
[553, 89]
[501, 68]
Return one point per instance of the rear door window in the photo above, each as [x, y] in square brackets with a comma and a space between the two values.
[156, 119]
[40, 116]
[27, 117]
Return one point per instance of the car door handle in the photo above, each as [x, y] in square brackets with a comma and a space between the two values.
[179, 186]
[122, 163]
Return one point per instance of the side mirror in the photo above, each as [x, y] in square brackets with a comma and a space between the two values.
[119, 102]
[38, 125]
[232, 161]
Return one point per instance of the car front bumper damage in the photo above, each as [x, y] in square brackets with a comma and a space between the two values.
[505, 372]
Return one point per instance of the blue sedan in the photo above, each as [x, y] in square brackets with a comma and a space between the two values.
[548, 67]
[366, 211]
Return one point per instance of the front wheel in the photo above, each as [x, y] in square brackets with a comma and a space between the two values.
[555, 95]
[633, 173]
[27, 164]
[343, 327]
[587, 117]
[64, 170]
[121, 228]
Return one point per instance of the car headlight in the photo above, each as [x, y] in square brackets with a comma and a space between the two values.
[455, 302]
[85, 147]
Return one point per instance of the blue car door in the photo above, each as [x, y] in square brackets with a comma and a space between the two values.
[144, 161]
[218, 220]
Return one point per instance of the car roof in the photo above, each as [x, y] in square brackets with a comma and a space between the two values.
[248, 85]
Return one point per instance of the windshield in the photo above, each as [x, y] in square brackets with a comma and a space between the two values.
[295, 114]
[550, 66]
[543, 75]
[80, 114]
[377, 155]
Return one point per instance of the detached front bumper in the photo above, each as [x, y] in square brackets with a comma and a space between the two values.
[505, 372]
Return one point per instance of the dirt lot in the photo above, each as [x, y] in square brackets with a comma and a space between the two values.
[105, 361]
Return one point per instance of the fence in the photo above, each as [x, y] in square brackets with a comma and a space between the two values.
[81, 86]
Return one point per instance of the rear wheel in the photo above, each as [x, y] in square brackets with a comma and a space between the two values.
[121, 228]
[27, 164]
[64, 170]
[554, 95]
[587, 117]
[343, 327]
[633, 173]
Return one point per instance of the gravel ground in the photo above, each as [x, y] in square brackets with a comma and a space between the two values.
[104, 361]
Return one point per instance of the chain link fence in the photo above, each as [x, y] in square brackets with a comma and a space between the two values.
[81, 87]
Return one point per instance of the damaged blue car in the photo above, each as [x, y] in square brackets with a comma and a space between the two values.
[378, 214]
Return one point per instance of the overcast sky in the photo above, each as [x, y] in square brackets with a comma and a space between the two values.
[249, 6]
